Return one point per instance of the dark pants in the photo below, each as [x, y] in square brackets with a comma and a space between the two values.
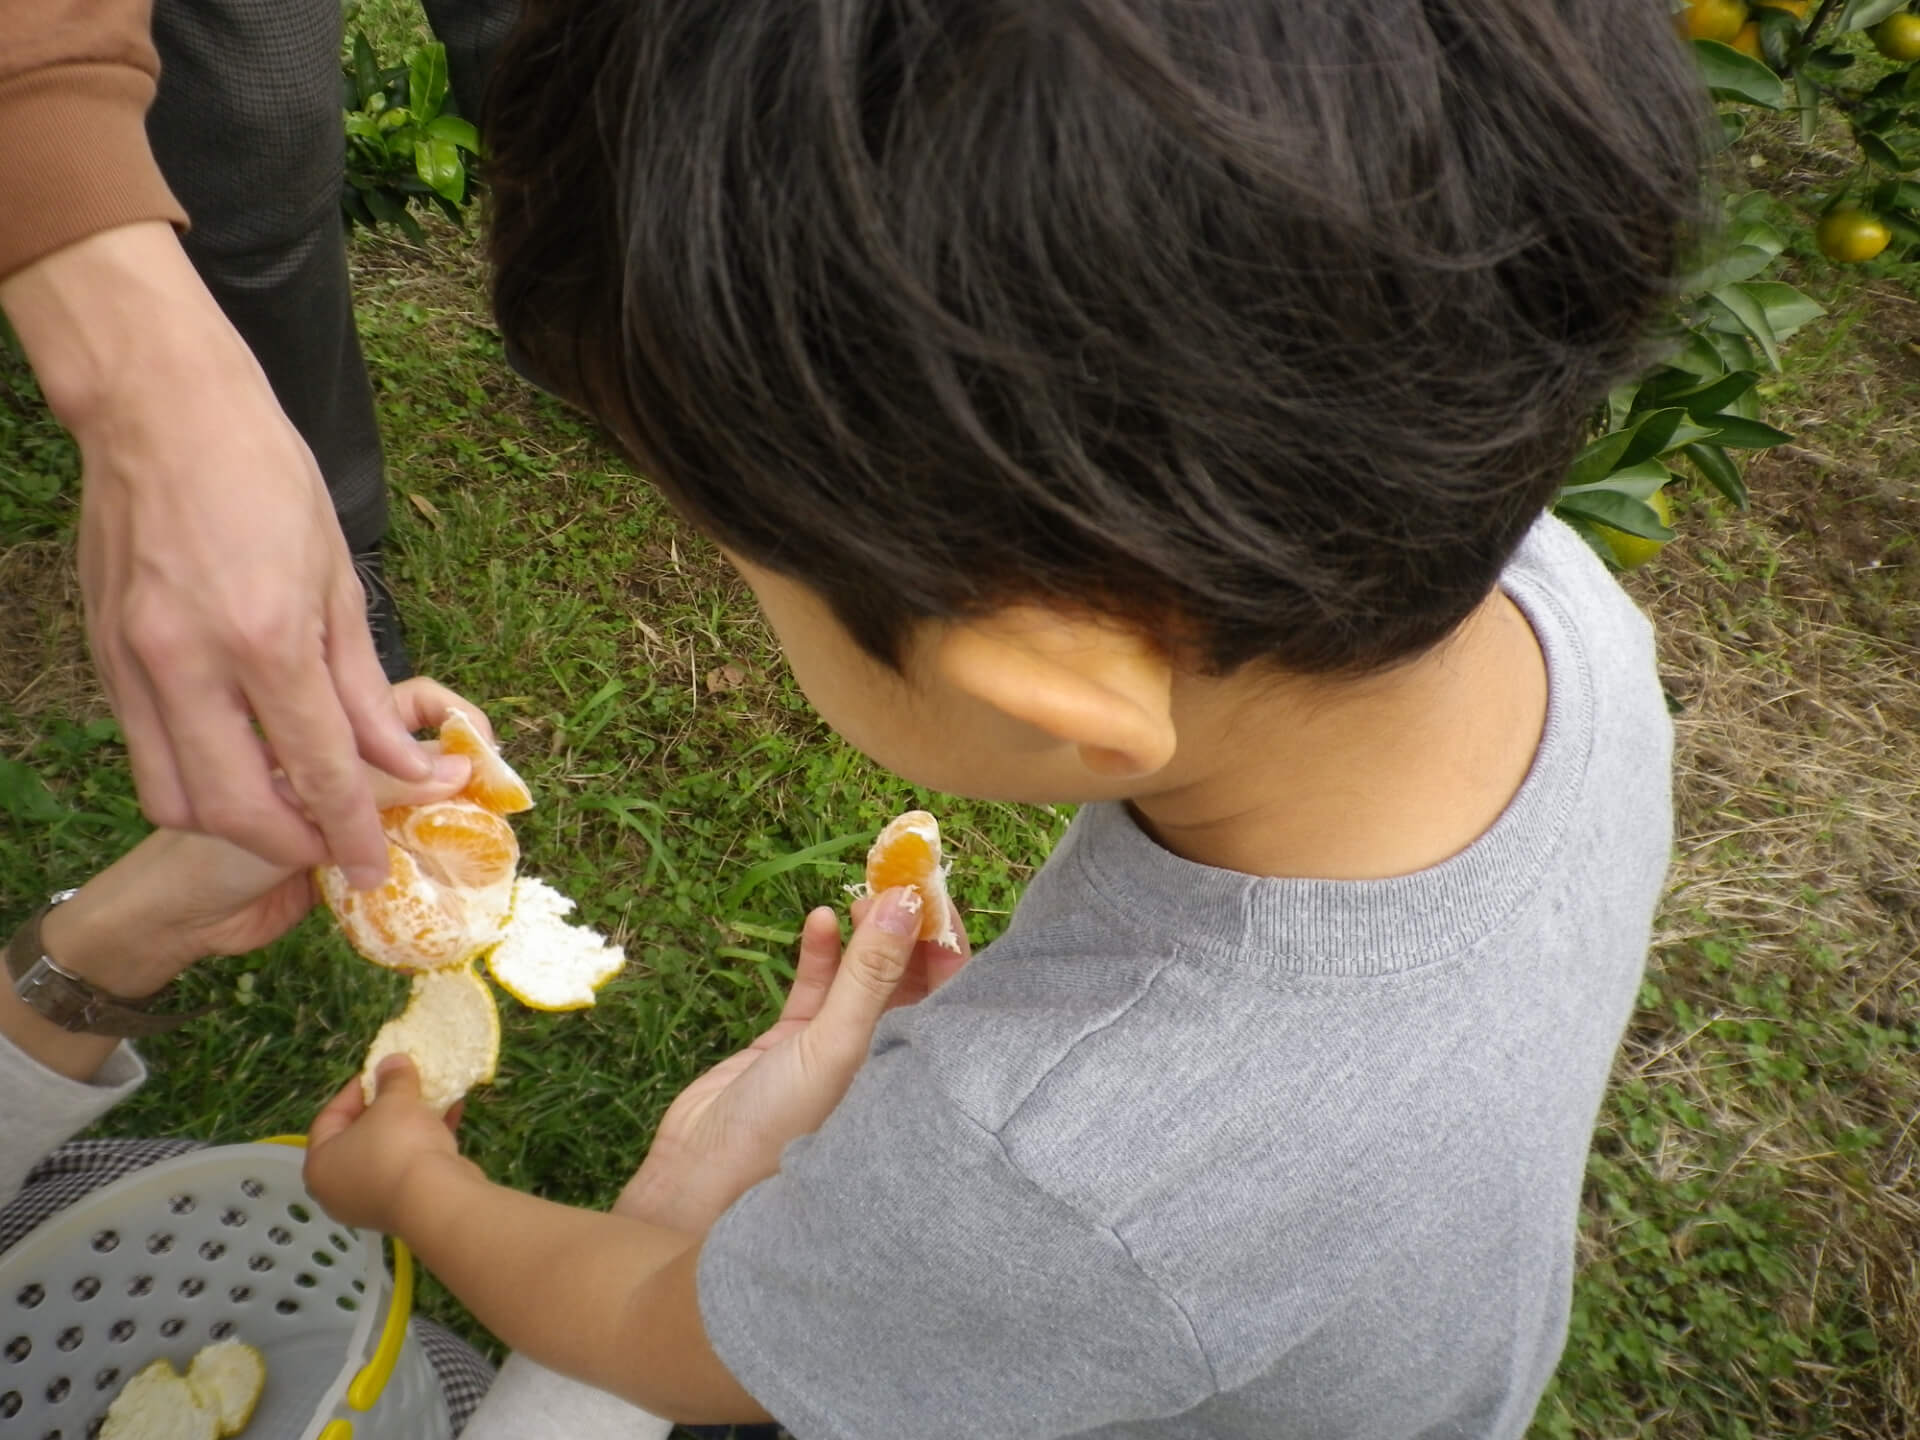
[247, 130]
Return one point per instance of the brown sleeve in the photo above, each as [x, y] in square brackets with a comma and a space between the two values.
[76, 77]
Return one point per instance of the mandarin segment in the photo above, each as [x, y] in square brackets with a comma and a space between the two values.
[907, 852]
[494, 783]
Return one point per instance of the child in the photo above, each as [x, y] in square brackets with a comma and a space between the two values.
[1151, 405]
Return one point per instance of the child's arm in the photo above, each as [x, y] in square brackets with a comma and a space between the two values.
[611, 1299]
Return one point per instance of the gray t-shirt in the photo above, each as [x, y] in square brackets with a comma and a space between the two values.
[1192, 1153]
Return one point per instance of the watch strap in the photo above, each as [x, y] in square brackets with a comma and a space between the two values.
[76, 1004]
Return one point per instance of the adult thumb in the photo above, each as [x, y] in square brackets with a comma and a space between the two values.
[870, 971]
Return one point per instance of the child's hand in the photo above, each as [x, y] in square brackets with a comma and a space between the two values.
[725, 1132]
[360, 1157]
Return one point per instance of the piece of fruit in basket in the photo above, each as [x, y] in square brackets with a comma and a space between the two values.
[227, 1378]
[450, 1030]
[215, 1398]
[544, 962]
[450, 886]
[907, 852]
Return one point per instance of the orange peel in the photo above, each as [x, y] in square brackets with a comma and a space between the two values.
[545, 963]
[907, 852]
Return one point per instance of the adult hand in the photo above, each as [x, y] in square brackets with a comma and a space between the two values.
[179, 896]
[218, 587]
[725, 1131]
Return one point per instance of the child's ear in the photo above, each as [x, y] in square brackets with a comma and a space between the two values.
[1090, 682]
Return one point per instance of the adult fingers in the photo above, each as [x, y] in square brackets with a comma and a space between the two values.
[870, 971]
[367, 700]
[227, 773]
[424, 704]
[293, 698]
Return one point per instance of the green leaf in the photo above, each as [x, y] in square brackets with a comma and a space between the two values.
[427, 80]
[1826, 60]
[1746, 310]
[1720, 472]
[1698, 358]
[1620, 404]
[1860, 14]
[366, 73]
[1744, 434]
[1896, 195]
[24, 795]
[1742, 262]
[1733, 76]
[1881, 153]
[410, 227]
[1595, 541]
[1596, 460]
[355, 205]
[1703, 402]
[758, 875]
[1787, 309]
[1615, 510]
[438, 163]
[363, 126]
[455, 131]
[1638, 482]
[384, 207]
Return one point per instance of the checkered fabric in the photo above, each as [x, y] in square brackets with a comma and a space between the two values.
[79, 1167]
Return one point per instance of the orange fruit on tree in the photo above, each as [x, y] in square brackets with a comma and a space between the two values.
[907, 852]
[1630, 552]
[1747, 42]
[1848, 236]
[1799, 9]
[1898, 37]
[1716, 19]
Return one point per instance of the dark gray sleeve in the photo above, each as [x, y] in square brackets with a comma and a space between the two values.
[900, 1276]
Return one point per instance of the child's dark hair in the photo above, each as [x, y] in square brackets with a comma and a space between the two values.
[1268, 325]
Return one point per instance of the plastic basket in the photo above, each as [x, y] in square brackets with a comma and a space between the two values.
[220, 1243]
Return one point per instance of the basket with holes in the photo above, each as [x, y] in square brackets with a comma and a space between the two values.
[220, 1243]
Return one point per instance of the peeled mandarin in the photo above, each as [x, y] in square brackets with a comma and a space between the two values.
[907, 852]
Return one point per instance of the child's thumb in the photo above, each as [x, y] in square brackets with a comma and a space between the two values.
[396, 1078]
[870, 971]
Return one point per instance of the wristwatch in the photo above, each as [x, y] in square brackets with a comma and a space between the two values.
[74, 1004]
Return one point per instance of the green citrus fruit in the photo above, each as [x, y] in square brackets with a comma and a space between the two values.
[1898, 37]
[1716, 19]
[1632, 551]
[1847, 236]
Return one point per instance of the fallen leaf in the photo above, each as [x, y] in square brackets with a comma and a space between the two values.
[727, 677]
[426, 507]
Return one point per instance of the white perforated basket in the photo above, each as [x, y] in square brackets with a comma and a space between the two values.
[220, 1243]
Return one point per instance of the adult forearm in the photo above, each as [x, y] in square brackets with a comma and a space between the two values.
[115, 315]
[118, 933]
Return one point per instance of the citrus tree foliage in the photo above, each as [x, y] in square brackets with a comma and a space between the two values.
[1697, 406]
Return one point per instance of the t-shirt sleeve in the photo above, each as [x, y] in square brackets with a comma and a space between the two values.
[901, 1276]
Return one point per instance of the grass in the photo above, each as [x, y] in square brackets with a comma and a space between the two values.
[1748, 1243]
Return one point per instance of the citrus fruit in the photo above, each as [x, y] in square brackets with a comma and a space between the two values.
[1747, 42]
[494, 783]
[542, 961]
[449, 885]
[907, 852]
[1796, 8]
[448, 890]
[1848, 236]
[227, 1377]
[1898, 37]
[1632, 551]
[450, 1030]
[1716, 19]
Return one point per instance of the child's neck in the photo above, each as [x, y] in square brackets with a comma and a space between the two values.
[1357, 780]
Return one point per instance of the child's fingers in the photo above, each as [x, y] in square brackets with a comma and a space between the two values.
[876, 959]
[814, 969]
[396, 1079]
[943, 964]
[340, 1112]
